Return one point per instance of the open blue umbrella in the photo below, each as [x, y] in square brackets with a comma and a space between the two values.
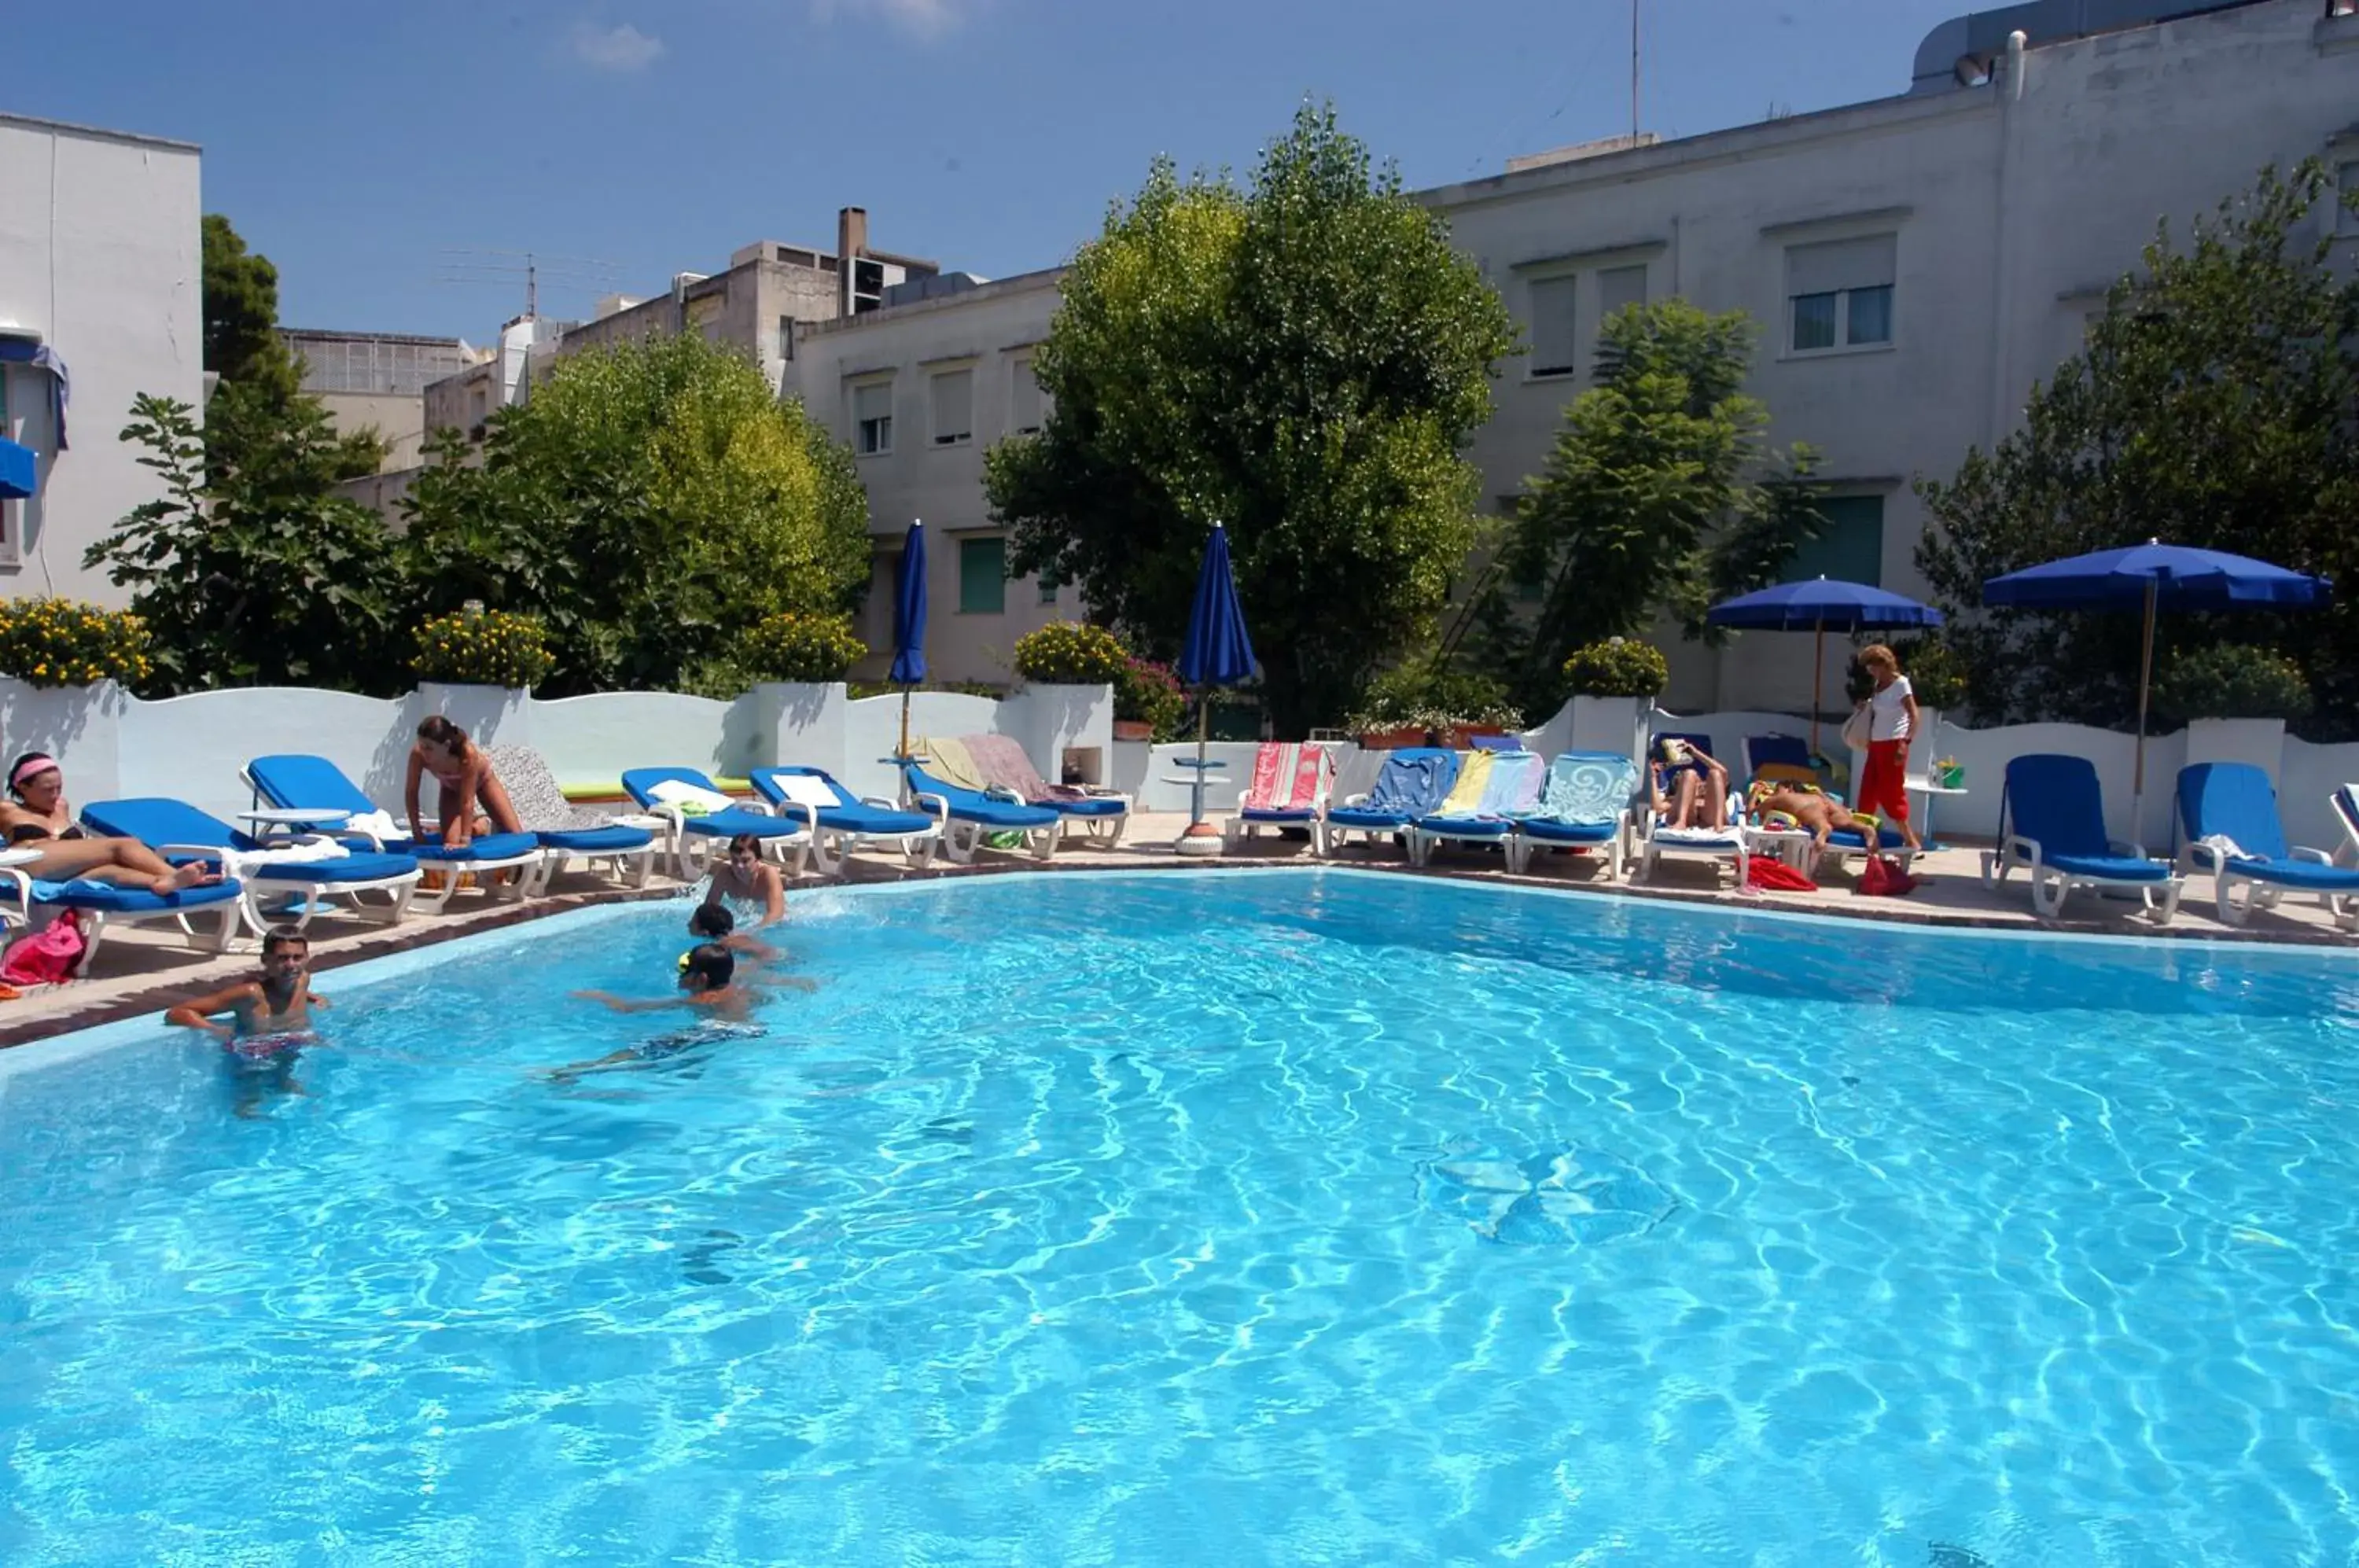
[1217, 653]
[2153, 577]
[1814, 605]
[910, 621]
[20, 471]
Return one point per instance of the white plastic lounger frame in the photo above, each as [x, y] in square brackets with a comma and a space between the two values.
[1613, 855]
[2052, 885]
[961, 839]
[692, 852]
[2260, 893]
[1654, 841]
[830, 846]
[209, 928]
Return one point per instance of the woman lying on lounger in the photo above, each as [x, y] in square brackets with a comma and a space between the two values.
[36, 816]
[471, 801]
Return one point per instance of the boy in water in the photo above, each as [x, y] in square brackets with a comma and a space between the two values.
[708, 985]
[273, 1007]
[718, 923]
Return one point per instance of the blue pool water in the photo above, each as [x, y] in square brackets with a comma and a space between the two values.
[1230, 1219]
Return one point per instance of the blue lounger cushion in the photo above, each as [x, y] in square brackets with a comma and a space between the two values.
[1363, 817]
[1295, 815]
[1097, 806]
[974, 806]
[1548, 830]
[616, 840]
[1467, 827]
[2110, 867]
[490, 846]
[728, 821]
[158, 820]
[849, 814]
[108, 899]
[2302, 875]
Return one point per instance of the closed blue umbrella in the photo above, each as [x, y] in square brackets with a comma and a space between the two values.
[1814, 604]
[910, 621]
[2155, 576]
[1217, 653]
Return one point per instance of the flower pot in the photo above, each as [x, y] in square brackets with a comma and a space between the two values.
[1133, 729]
[1461, 738]
[1393, 739]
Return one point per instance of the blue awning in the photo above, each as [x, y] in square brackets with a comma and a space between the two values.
[20, 471]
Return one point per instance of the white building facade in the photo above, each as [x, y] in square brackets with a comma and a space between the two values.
[101, 298]
[1915, 264]
[920, 390]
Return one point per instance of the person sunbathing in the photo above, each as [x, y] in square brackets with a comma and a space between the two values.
[36, 817]
[1819, 814]
[1687, 788]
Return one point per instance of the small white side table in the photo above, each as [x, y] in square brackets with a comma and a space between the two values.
[1923, 785]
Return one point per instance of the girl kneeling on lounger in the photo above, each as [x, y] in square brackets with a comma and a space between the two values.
[471, 801]
[36, 816]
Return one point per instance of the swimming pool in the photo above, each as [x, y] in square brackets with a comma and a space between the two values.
[1234, 1217]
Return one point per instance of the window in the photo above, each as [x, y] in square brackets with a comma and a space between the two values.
[982, 576]
[1839, 294]
[785, 337]
[1618, 287]
[2346, 190]
[1850, 549]
[953, 393]
[1049, 587]
[1023, 398]
[1555, 350]
[872, 419]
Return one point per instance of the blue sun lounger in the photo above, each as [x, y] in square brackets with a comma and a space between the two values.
[837, 817]
[693, 835]
[1585, 805]
[372, 886]
[296, 781]
[1412, 783]
[2225, 805]
[101, 904]
[2052, 822]
[968, 816]
[565, 832]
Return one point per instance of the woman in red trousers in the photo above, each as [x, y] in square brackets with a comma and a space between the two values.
[1892, 723]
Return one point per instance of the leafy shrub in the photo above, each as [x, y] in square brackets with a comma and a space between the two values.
[1424, 696]
[64, 642]
[1618, 666]
[1150, 693]
[483, 647]
[1935, 674]
[799, 646]
[1071, 653]
[2231, 680]
[856, 690]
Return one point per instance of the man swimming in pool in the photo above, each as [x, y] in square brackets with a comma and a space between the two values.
[274, 1006]
[718, 923]
[709, 985]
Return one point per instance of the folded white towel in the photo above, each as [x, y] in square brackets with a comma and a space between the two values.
[242, 862]
[692, 799]
[2224, 846]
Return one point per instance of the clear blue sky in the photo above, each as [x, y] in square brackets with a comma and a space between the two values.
[356, 145]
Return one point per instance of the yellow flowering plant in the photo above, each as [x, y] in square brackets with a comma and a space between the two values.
[799, 646]
[64, 642]
[1072, 653]
[485, 648]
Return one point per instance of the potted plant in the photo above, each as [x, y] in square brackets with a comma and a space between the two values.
[1392, 713]
[1071, 653]
[793, 648]
[55, 644]
[1618, 666]
[483, 648]
[1149, 702]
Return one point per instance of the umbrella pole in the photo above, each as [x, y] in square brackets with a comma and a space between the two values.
[1818, 680]
[2145, 683]
[905, 722]
[1202, 838]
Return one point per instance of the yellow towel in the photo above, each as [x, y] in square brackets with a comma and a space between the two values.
[949, 761]
[1465, 797]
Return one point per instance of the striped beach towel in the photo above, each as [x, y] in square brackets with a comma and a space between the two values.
[1285, 776]
[1465, 797]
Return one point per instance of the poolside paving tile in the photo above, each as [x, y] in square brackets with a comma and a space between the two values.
[143, 969]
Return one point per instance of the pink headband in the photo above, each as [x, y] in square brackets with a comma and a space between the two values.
[33, 767]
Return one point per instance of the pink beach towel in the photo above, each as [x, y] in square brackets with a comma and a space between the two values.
[1285, 776]
[1004, 766]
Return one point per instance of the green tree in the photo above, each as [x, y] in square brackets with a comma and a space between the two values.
[1661, 496]
[2215, 404]
[259, 397]
[1302, 361]
[651, 503]
[260, 577]
[241, 306]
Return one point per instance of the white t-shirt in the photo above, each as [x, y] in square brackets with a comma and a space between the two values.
[1887, 712]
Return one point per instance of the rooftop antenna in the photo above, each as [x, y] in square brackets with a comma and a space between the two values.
[465, 269]
[1633, 72]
